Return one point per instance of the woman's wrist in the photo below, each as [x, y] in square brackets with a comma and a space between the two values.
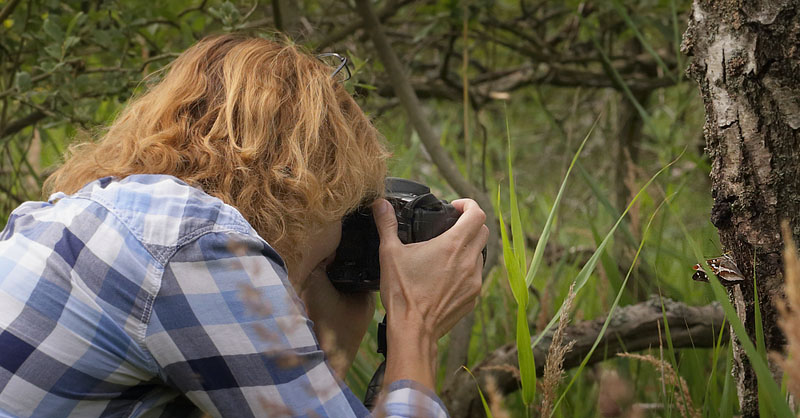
[411, 353]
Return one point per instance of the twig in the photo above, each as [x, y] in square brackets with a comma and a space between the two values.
[8, 9]
[388, 11]
[22, 123]
[34, 79]
[193, 9]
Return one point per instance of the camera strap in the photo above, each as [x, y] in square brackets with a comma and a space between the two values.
[376, 383]
[382, 337]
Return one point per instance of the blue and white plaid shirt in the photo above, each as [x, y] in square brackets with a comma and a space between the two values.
[130, 298]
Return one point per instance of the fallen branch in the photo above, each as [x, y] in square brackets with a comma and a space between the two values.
[632, 328]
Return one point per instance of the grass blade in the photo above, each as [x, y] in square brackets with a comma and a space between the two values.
[671, 352]
[614, 305]
[626, 17]
[486, 408]
[726, 409]
[527, 366]
[588, 268]
[538, 253]
[517, 236]
[518, 289]
[760, 344]
[515, 262]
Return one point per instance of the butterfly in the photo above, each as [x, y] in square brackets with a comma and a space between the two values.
[723, 267]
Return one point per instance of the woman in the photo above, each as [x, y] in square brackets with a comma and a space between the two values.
[154, 280]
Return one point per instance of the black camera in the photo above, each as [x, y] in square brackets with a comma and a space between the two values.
[420, 217]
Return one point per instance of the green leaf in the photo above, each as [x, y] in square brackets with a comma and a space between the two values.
[726, 408]
[54, 31]
[518, 289]
[624, 13]
[760, 344]
[78, 20]
[527, 366]
[54, 51]
[366, 86]
[70, 42]
[22, 81]
[425, 31]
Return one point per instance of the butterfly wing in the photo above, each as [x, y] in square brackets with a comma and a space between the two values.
[699, 275]
[727, 271]
[723, 267]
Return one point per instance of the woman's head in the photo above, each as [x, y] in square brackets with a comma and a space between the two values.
[259, 124]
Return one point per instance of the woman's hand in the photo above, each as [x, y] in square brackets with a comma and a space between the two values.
[340, 319]
[427, 287]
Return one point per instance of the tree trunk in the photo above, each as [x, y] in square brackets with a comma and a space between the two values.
[747, 64]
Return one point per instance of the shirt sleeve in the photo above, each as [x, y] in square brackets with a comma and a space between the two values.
[229, 332]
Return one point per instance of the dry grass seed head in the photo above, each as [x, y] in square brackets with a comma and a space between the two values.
[788, 309]
[553, 370]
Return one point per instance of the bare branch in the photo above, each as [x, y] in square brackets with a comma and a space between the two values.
[22, 123]
[388, 11]
[197, 8]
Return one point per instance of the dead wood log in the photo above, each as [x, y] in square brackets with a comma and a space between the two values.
[632, 328]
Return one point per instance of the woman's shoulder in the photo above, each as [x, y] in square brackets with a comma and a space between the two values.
[162, 211]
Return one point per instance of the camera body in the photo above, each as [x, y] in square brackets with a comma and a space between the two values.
[420, 217]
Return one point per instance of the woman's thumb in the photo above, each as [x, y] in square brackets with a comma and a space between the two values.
[385, 221]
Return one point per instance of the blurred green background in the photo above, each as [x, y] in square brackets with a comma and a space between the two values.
[547, 68]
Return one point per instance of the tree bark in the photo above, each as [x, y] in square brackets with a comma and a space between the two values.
[632, 328]
[747, 64]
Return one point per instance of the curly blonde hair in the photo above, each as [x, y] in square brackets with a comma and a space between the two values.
[259, 124]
